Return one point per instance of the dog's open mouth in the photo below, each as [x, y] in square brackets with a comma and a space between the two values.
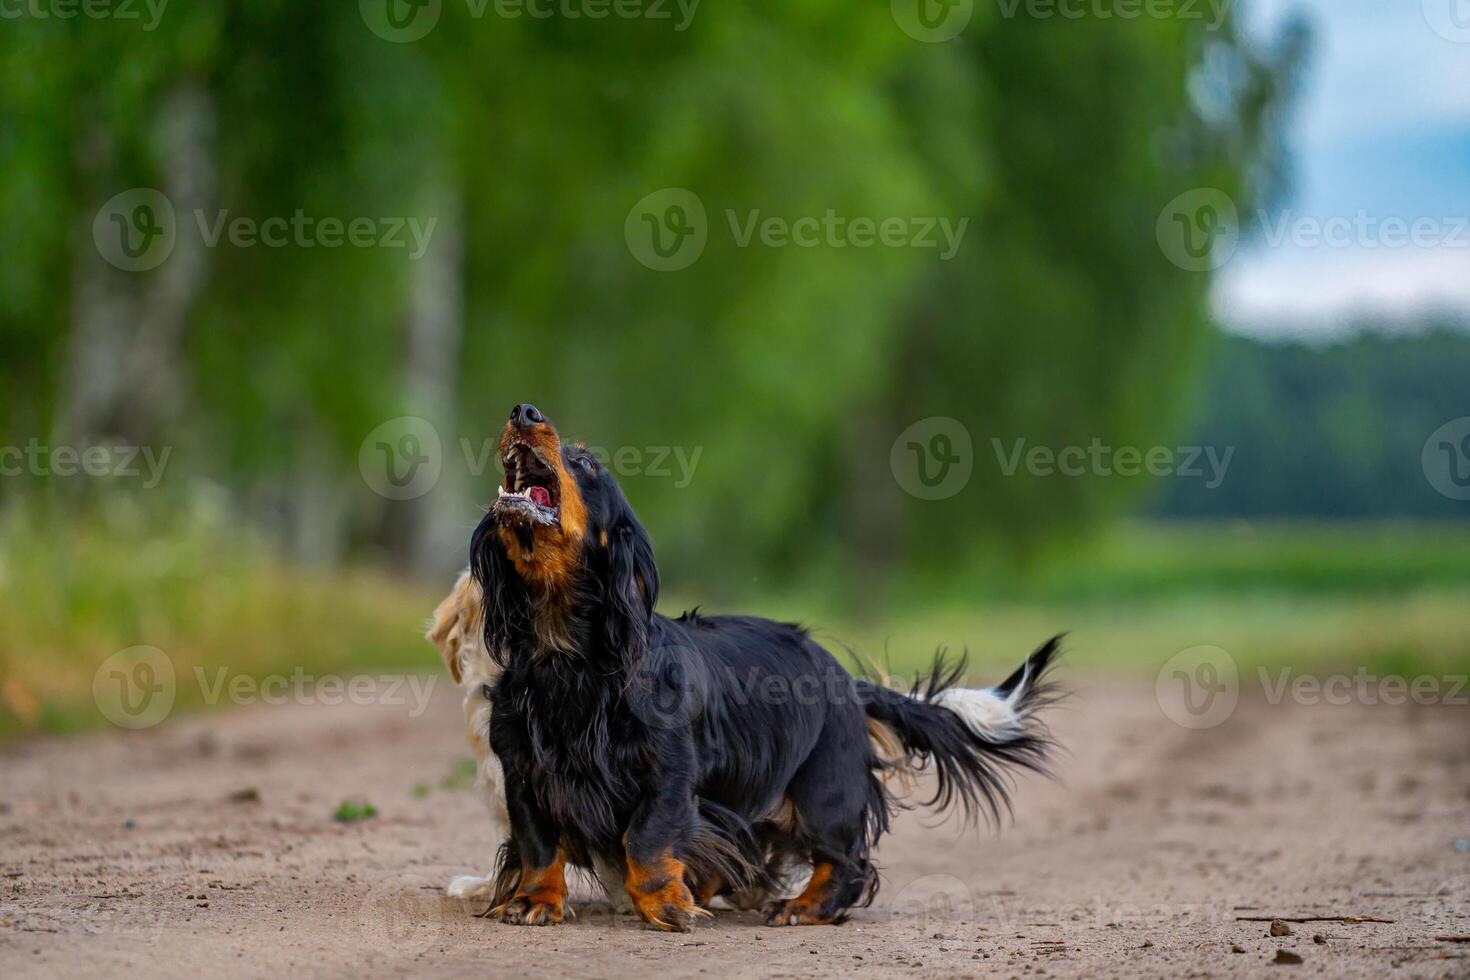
[531, 492]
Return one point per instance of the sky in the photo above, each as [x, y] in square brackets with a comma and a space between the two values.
[1381, 130]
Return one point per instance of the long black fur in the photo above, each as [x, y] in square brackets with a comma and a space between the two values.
[738, 743]
[970, 769]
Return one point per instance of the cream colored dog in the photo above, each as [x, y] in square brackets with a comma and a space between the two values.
[457, 632]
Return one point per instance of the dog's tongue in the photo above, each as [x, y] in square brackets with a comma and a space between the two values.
[540, 496]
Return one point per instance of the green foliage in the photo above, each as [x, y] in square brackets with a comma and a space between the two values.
[1058, 141]
[1329, 431]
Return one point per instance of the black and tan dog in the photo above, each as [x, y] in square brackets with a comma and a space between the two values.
[698, 756]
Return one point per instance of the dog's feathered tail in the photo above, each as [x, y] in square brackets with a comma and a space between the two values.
[972, 737]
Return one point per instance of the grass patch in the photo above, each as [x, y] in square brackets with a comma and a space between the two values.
[1405, 634]
[1166, 561]
[1388, 597]
[351, 811]
[461, 775]
[75, 591]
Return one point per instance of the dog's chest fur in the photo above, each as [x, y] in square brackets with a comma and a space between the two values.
[581, 746]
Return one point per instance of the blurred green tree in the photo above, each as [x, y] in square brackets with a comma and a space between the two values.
[791, 370]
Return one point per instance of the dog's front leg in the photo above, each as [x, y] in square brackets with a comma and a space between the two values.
[655, 878]
[536, 893]
[490, 784]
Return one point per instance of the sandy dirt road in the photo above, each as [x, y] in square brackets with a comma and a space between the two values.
[124, 854]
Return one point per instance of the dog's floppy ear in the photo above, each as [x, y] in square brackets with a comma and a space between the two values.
[632, 586]
[453, 619]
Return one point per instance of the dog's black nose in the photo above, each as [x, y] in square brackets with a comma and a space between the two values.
[525, 415]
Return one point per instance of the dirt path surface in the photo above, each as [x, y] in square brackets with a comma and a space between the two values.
[206, 848]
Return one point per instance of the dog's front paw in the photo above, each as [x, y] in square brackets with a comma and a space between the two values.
[532, 910]
[670, 908]
[470, 887]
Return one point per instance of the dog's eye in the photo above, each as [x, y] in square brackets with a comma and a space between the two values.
[585, 462]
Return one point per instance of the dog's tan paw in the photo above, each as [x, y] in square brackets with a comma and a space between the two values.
[673, 910]
[658, 892]
[532, 910]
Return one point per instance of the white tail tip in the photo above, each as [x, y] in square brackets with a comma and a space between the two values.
[984, 712]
